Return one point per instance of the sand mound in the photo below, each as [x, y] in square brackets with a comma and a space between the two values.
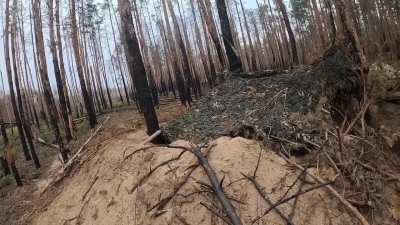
[100, 193]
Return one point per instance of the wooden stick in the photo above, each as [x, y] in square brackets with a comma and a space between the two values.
[71, 160]
[161, 204]
[90, 186]
[261, 191]
[43, 142]
[144, 178]
[152, 137]
[351, 208]
[78, 153]
[289, 199]
[216, 213]
[227, 205]
[359, 116]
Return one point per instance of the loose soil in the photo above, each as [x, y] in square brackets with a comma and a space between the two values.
[18, 205]
[100, 193]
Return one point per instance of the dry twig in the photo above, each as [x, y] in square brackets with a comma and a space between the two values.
[144, 178]
[261, 191]
[216, 213]
[351, 208]
[290, 198]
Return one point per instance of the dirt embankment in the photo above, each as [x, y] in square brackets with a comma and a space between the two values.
[102, 192]
[314, 114]
[17, 205]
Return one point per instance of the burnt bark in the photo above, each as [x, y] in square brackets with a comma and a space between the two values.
[137, 69]
[289, 30]
[235, 65]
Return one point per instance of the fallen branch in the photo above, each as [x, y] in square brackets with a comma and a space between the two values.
[359, 116]
[181, 219]
[161, 204]
[392, 96]
[150, 147]
[290, 198]
[216, 213]
[90, 187]
[261, 191]
[149, 139]
[226, 204]
[152, 137]
[43, 142]
[144, 178]
[351, 208]
[292, 213]
[164, 202]
[71, 160]
[78, 153]
[391, 177]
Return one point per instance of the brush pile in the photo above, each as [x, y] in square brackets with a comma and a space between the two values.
[313, 114]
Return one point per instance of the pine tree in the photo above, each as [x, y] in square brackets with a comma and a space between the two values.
[137, 69]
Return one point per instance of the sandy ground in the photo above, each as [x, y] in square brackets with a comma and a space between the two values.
[101, 190]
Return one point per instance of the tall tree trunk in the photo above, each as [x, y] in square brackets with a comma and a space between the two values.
[3, 131]
[212, 30]
[78, 62]
[12, 95]
[48, 94]
[57, 72]
[171, 47]
[349, 31]
[292, 40]
[62, 66]
[17, 114]
[136, 68]
[185, 64]
[350, 36]
[118, 56]
[234, 62]
[201, 47]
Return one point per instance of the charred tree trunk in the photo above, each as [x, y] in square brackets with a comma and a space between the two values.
[212, 30]
[137, 69]
[235, 65]
[289, 30]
